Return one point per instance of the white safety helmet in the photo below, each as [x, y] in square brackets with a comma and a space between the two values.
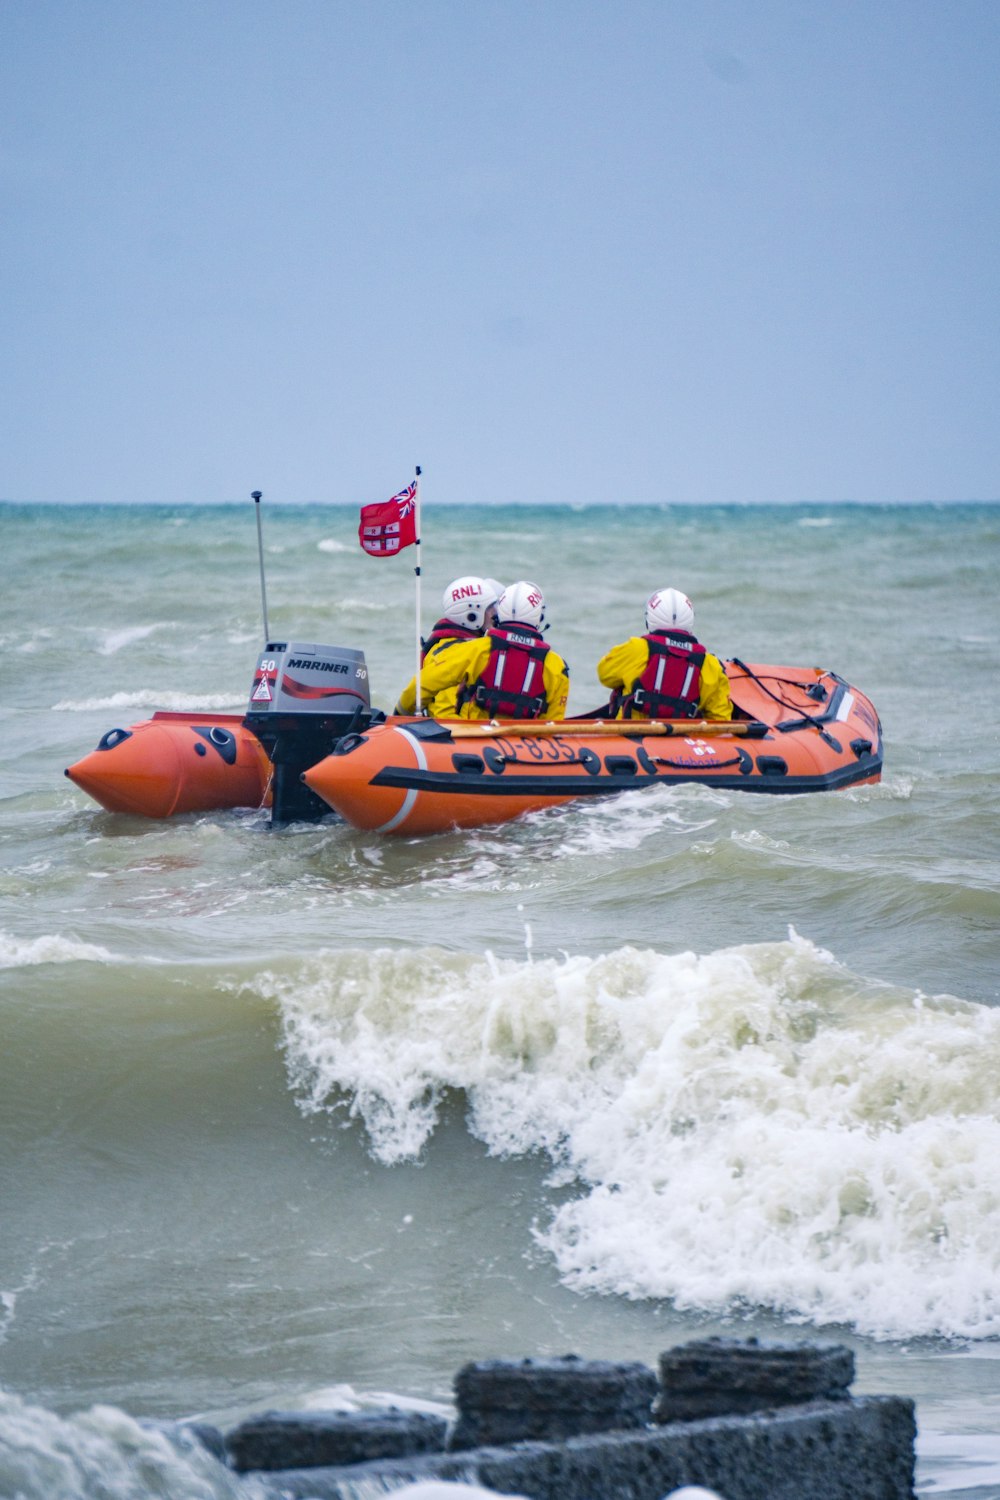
[522, 603]
[495, 588]
[669, 609]
[467, 599]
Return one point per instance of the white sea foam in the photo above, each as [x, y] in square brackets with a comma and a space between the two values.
[448, 1489]
[105, 1453]
[196, 703]
[694, 1492]
[113, 641]
[345, 1398]
[8, 1304]
[21, 953]
[39, 641]
[453, 1489]
[330, 544]
[630, 820]
[898, 788]
[755, 839]
[753, 1126]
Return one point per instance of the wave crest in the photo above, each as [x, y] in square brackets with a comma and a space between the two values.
[51, 948]
[755, 1125]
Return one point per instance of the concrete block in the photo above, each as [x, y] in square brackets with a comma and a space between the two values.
[712, 1377]
[305, 1439]
[502, 1401]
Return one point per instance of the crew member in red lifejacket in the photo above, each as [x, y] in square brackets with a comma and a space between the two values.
[509, 672]
[666, 673]
[469, 605]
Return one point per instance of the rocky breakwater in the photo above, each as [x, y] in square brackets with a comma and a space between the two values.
[749, 1420]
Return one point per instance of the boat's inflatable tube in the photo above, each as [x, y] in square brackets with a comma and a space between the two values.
[303, 698]
[176, 763]
[797, 730]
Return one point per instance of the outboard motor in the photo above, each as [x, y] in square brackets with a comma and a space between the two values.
[305, 698]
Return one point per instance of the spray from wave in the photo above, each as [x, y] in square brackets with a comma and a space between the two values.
[751, 1127]
[104, 1453]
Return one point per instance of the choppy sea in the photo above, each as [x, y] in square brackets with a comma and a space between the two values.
[312, 1117]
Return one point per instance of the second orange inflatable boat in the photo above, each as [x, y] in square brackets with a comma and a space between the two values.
[176, 763]
[304, 697]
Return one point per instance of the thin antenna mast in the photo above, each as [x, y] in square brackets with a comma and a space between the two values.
[255, 497]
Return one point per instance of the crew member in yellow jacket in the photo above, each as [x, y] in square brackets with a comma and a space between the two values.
[666, 673]
[510, 673]
[468, 608]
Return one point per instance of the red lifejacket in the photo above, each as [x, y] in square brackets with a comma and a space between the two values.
[446, 630]
[512, 683]
[670, 682]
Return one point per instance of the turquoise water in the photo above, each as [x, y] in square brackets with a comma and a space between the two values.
[310, 1116]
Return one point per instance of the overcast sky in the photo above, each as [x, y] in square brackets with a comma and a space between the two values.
[552, 250]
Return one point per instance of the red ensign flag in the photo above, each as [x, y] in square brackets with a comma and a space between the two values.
[387, 529]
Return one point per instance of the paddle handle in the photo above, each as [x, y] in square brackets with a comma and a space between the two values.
[470, 729]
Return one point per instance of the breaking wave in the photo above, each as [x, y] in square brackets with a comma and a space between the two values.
[753, 1127]
[104, 1454]
[19, 953]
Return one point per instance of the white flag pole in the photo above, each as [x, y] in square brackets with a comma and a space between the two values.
[416, 570]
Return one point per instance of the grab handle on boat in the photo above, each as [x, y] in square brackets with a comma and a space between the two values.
[112, 738]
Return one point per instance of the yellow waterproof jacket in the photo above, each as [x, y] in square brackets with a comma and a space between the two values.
[453, 663]
[623, 665]
[438, 702]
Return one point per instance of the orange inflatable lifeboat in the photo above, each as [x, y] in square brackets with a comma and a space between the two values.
[795, 729]
[176, 763]
[303, 699]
